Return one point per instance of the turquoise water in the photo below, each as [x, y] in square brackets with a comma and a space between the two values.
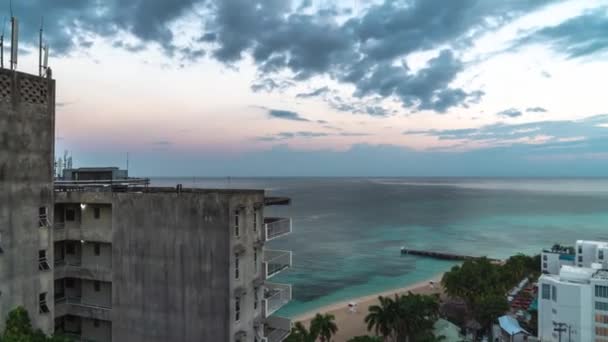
[348, 231]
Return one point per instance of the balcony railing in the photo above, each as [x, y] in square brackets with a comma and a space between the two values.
[276, 227]
[276, 329]
[275, 297]
[276, 261]
[77, 301]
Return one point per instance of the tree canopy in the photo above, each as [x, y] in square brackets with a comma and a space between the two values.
[405, 318]
[19, 329]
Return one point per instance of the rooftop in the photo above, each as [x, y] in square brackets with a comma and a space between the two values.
[141, 185]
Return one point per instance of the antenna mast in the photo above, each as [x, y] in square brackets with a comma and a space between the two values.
[2, 44]
[40, 68]
[14, 42]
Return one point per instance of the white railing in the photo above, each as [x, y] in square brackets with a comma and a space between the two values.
[276, 261]
[276, 227]
[275, 297]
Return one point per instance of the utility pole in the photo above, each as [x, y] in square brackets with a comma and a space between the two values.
[560, 328]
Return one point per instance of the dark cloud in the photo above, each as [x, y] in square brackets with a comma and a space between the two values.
[314, 93]
[511, 113]
[353, 134]
[359, 51]
[576, 37]
[536, 110]
[268, 85]
[285, 114]
[323, 122]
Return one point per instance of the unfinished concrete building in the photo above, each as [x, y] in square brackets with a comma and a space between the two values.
[137, 263]
[27, 134]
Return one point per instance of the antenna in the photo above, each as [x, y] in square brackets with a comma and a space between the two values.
[14, 41]
[127, 161]
[40, 69]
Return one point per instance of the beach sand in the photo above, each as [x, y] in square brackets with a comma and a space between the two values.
[351, 324]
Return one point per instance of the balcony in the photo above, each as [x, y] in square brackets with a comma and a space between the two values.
[275, 297]
[276, 329]
[75, 269]
[275, 227]
[69, 305]
[275, 261]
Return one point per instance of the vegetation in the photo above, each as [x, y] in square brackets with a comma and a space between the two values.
[405, 318]
[483, 284]
[322, 327]
[19, 329]
[365, 338]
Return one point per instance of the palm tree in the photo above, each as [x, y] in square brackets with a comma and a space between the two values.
[299, 333]
[381, 317]
[324, 326]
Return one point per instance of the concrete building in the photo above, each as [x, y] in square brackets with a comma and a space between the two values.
[574, 301]
[167, 264]
[553, 259]
[27, 137]
[94, 174]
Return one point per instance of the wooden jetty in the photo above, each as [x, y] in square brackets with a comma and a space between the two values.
[440, 255]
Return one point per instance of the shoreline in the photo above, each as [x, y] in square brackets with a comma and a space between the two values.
[364, 302]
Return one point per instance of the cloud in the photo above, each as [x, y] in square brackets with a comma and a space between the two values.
[579, 36]
[360, 51]
[536, 110]
[303, 41]
[545, 74]
[511, 113]
[291, 135]
[314, 93]
[285, 114]
[162, 143]
[501, 134]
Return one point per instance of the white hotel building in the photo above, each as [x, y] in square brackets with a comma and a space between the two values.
[573, 298]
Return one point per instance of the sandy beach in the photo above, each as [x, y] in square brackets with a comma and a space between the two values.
[352, 324]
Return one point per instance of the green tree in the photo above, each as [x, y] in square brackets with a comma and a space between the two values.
[404, 318]
[19, 329]
[18, 326]
[366, 338]
[324, 326]
[299, 333]
[488, 308]
[380, 317]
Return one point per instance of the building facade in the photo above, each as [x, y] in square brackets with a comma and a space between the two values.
[573, 302]
[168, 264]
[27, 138]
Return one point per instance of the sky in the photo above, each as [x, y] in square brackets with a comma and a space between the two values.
[327, 88]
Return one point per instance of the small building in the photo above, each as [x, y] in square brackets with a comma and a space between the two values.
[553, 259]
[94, 174]
[510, 330]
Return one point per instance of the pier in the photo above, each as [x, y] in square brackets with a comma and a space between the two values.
[440, 255]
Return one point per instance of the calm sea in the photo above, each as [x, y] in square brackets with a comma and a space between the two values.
[348, 231]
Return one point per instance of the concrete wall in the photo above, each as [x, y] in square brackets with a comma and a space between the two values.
[102, 332]
[90, 296]
[103, 260]
[27, 125]
[246, 245]
[171, 262]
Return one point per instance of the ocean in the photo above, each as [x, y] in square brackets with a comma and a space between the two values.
[348, 231]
